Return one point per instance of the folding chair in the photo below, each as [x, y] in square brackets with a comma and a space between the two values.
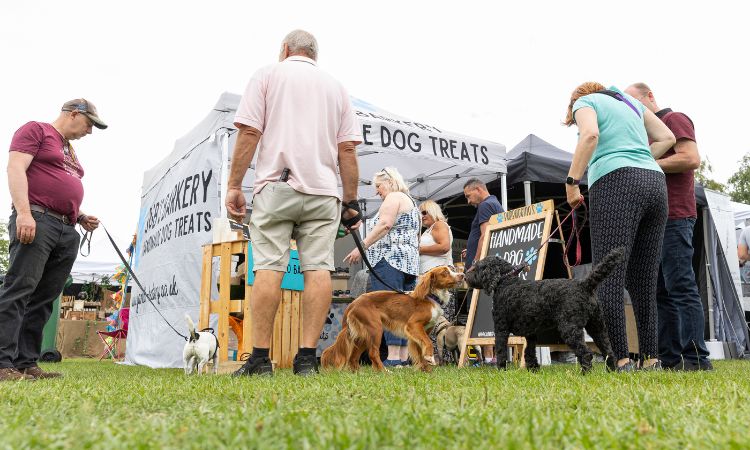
[111, 339]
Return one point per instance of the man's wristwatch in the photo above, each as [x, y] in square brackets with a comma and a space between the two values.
[572, 181]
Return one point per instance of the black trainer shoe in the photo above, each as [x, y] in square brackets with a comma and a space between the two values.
[255, 366]
[305, 365]
[677, 366]
[692, 366]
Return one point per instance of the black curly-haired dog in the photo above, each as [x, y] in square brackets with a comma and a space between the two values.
[525, 308]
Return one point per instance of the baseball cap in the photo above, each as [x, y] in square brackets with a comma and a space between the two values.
[86, 108]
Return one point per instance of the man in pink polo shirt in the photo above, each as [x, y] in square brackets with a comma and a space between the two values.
[44, 177]
[308, 130]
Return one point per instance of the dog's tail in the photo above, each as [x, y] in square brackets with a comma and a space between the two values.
[191, 328]
[337, 355]
[603, 269]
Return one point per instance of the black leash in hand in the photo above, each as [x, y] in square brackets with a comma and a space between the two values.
[87, 238]
[348, 223]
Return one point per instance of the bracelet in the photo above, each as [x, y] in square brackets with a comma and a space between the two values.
[80, 218]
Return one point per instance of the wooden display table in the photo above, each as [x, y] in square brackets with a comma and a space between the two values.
[287, 330]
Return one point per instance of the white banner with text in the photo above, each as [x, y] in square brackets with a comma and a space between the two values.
[177, 211]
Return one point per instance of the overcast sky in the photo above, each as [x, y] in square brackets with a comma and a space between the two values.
[155, 69]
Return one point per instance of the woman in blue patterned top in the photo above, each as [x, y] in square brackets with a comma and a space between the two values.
[392, 245]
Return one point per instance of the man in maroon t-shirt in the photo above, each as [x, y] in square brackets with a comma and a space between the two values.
[44, 177]
[682, 345]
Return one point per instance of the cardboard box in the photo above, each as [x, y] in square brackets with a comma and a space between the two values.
[226, 230]
[78, 338]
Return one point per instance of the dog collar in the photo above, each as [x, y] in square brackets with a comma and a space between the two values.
[434, 299]
[513, 273]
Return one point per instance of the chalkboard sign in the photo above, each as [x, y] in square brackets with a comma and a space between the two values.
[515, 236]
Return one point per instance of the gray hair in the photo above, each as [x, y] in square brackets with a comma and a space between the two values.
[474, 183]
[300, 41]
[641, 87]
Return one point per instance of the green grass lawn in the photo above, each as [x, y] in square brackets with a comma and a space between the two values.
[102, 405]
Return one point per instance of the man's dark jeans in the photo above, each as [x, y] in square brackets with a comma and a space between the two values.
[681, 320]
[35, 278]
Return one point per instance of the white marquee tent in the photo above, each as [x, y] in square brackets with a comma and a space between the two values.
[182, 195]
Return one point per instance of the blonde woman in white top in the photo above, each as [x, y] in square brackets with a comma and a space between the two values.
[435, 250]
[436, 241]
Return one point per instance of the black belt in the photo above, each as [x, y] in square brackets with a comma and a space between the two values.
[61, 217]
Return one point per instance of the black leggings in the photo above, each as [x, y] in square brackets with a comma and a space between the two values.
[629, 208]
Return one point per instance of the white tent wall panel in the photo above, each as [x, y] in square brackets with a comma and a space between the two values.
[170, 271]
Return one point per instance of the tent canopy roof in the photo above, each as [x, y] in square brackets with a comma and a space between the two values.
[534, 159]
[435, 163]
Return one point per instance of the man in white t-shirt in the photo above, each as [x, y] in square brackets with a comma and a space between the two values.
[309, 137]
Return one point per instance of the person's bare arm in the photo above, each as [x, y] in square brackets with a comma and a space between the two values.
[442, 241]
[244, 150]
[588, 138]
[686, 157]
[387, 218]
[743, 253]
[662, 138]
[349, 171]
[483, 229]
[87, 221]
[18, 184]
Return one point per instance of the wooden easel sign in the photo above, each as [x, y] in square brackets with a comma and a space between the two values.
[515, 236]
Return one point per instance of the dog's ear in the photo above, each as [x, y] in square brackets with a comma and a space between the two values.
[424, 287]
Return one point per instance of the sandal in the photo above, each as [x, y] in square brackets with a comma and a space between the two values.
[627, 367]
[652, 368]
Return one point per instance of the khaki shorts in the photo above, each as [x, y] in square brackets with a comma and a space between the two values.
[279, 214]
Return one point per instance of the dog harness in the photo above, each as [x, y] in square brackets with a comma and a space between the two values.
[207, 330]
[443, 325]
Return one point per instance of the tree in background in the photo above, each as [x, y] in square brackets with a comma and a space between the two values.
[739, 183]
[4, 256]
[703, 176]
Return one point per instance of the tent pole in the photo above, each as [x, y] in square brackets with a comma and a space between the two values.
[504, 190]
[224, 173]
[527, 192]
[125, 289]
[709, 288]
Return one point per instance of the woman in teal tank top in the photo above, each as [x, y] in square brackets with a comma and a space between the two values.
[628, 207]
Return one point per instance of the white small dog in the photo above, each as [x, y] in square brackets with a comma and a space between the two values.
[200, 348]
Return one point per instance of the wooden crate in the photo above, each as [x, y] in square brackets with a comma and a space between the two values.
[287, 329]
